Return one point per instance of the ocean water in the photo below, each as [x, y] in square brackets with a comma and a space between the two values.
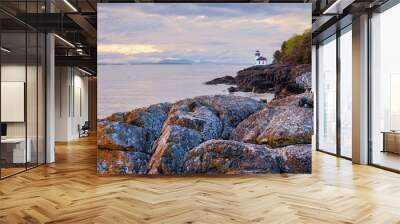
[125, 87]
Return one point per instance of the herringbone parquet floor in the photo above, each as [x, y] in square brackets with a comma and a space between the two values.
[69, 191]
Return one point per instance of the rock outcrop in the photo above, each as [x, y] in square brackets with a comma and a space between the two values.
[301, 100]
[282, 122]
[229, 80]
[232, 157]
[134, 131]
[294, 125]
[281, 79]
[304, 80]
[193, 121]
[209, 134]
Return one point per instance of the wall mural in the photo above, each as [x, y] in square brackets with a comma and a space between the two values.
[204, 89]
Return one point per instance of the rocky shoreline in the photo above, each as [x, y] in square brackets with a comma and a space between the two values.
[219, 134]
[281, 79]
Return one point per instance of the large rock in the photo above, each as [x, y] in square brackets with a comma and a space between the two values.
[199, 118]
[151, 119]
[133, 132]
[281, 123]
[302, 100]
[180, 138]
[296, 158]
[171, 148]
[304, 80]
[249, 129]
[231, 109]
[185, 128]
[111, 162]
[300, 84]
[294, 125]
[232, 157]
[193, 121]
[121, 136]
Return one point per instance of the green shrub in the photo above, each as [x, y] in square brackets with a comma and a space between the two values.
[296, 50]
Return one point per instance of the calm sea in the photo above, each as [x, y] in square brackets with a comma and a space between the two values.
[126, 87]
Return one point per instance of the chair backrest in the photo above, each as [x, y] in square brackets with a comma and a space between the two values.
[86, 125]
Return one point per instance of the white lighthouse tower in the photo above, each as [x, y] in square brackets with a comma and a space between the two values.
[257, 54]
[259, 60]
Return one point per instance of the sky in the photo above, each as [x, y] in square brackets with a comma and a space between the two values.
[219, 33]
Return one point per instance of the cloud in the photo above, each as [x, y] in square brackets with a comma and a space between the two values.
[221, 9]
[226, 33]
[127, 49]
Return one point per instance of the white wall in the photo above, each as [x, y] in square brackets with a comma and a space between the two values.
[14, 73]
[62, 82]
[33, 126]
[80, 108]
[71, 102]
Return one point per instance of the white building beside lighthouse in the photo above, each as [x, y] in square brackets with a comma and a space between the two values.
[259, 60]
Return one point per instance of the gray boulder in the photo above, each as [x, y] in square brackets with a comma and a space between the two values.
[282, 122]
[134, 132]
[232, 157]
[304, 80]
[231, 109]
[171, 148]
[193, 121]
[113, 162]
[186, 127]
[249, 129]
[296, 158]
[294, 125]
[301, 100]
[121, 136]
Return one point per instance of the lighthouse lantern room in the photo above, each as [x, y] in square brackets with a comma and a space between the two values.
[260, 60]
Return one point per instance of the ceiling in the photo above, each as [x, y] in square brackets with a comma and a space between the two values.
[73, 21]
[330, 15]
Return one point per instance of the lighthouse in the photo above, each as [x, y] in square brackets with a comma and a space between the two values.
[259, 60]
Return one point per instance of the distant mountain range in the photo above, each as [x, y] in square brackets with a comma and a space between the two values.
[165, 61]
[175, 61]
[168, 62]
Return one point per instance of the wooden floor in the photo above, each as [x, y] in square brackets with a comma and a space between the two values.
[69, 191]
[5, 172]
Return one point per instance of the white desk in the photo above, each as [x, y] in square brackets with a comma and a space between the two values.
[19, 153]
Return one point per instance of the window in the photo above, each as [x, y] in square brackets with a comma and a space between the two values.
[346, 92]
[385, 89]
[327, 95]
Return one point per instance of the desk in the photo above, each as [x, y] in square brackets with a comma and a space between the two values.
[13, 150]
[391, 141]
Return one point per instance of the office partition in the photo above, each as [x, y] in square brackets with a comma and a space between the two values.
[22, 77]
